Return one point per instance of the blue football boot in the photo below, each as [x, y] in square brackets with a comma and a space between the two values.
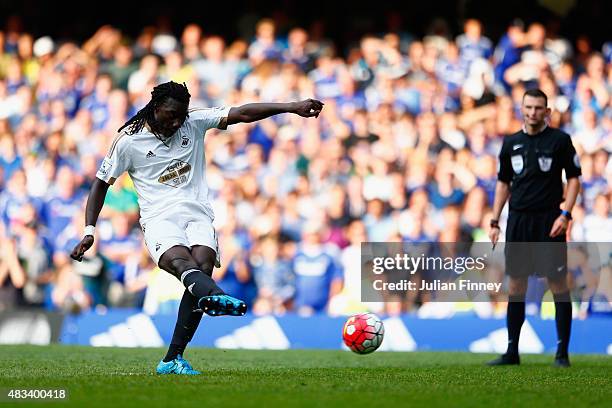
[177, 366]
[220, 305]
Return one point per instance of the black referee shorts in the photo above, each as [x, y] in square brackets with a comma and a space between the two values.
[529, 250]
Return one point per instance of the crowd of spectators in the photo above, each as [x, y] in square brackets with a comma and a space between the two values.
[404, 150]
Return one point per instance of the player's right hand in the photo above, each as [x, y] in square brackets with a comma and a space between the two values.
[82, 247]
[308, 108]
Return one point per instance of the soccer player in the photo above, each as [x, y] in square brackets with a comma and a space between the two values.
[162, 149]
[530, 168]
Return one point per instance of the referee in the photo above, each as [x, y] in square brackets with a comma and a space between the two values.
[530, 164]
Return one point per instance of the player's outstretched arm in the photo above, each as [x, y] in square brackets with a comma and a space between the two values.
[95, 201]
[252, 112]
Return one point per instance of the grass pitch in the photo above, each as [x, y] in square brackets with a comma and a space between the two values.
[111, 377]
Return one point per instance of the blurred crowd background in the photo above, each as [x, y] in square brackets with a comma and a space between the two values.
[405, 150]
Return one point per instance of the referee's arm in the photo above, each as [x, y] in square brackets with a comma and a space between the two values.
[571, 165]
[502, 191]
[561, 223]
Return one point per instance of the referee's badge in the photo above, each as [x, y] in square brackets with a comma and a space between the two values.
[576, 160]
[517, 163]
[545, 163]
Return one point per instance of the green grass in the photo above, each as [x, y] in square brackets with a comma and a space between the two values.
[100, 377]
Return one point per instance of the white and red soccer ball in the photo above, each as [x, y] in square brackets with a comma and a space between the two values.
[363, 333]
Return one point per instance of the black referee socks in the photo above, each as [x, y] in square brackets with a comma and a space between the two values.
[514, 320]
[563, 318]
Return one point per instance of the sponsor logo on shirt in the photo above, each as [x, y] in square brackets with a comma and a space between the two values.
[150, 154]
[176, 173]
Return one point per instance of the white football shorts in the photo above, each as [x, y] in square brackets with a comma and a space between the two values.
[179, 225]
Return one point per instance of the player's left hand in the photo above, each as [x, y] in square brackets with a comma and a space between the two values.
[559, 227]
[308, 108]
[82, 247]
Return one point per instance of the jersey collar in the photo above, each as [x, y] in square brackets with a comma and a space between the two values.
[536, 134]
[165, 141]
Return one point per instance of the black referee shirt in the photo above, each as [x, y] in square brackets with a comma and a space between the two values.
[532, 165]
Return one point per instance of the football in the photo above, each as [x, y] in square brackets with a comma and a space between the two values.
[363, 333]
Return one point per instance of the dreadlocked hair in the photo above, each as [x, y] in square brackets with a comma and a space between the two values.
[159, 95]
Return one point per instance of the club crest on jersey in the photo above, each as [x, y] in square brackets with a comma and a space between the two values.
[545, 163]
[185, 142]
[176, 173]
[517, 163]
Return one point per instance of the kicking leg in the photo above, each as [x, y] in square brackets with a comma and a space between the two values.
[216, 304]
[180, 263]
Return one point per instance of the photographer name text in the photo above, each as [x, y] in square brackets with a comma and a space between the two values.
[436, 285]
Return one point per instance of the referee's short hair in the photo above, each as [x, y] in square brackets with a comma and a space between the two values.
[536, 93]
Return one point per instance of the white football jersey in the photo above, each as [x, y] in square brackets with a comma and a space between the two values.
[165, 176]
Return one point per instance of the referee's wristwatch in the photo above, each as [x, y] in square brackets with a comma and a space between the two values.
[494, 224]
[566, 214]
